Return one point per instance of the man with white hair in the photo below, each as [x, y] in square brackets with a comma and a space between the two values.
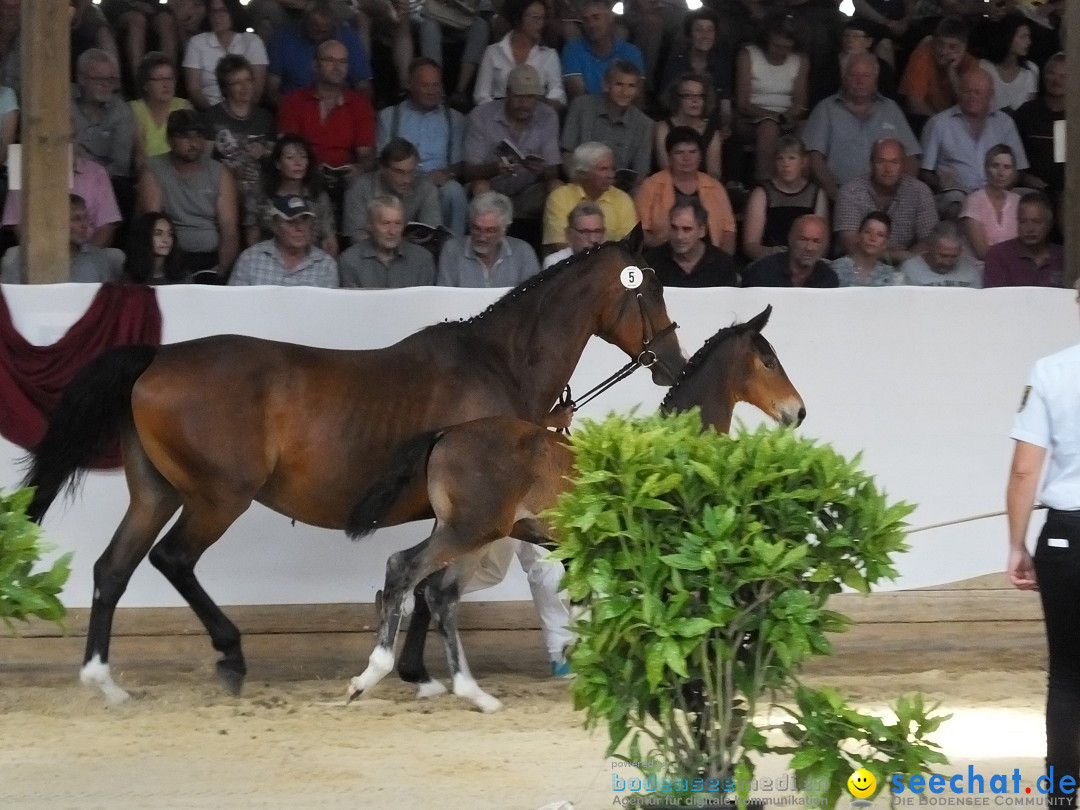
[585, 228]
[843, 128]
[592, 175]
[943, 263]
[487, 257]
[384, 259]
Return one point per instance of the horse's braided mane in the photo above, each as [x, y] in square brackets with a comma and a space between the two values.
[528, 284]
[701, 355]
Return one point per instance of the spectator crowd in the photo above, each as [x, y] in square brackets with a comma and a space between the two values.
[394, 143]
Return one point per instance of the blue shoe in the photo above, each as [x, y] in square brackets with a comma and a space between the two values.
[560, 669]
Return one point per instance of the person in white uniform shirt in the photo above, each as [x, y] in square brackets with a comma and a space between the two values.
[1047, 429]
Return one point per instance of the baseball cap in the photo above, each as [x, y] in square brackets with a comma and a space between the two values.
[290, 207]
[184, 121]
[524, 80]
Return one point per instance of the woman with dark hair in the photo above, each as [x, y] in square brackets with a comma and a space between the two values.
[690, 101]
[683, 181]
[242, 133]
[156, 80]
[292, 170]
[864, 266]
[1016, 78]
[204, 52]
[770, 91]
[152, 255]
[703, 55]
[521, 46]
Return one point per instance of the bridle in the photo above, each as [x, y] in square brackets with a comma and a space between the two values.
[646, 358]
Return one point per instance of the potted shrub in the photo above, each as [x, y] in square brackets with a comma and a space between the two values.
[704, 563]
[24, 593]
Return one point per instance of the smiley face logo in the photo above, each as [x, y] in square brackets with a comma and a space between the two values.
[862, 784]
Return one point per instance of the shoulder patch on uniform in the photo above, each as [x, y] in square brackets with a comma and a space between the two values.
[1023, 399]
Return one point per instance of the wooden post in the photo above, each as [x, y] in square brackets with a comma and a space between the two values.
[46, 135]
[1071, 208]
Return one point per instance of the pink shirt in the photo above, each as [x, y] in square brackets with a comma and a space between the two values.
[91, 183]
[978, 206]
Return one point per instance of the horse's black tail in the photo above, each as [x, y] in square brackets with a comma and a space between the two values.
[95, 407]
[407, 462]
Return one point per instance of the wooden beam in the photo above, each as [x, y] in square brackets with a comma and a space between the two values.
[1069, 209]
[46, 137]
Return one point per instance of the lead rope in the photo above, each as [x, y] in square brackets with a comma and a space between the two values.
[646, 358]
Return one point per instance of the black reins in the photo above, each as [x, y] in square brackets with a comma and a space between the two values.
[646, 359]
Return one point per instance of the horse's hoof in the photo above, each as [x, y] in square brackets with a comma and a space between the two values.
[429, 689]
[96, 674]
[486, 703]
[231, 677]
[354, 690]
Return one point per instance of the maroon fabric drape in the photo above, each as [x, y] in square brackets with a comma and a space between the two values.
[32, 378]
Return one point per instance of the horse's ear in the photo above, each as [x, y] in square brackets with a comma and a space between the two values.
[757, 323]
[635, 240]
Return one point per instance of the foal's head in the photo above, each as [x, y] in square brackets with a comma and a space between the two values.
[736, 364]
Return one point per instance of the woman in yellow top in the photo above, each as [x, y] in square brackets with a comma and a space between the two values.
[156, 79]
[592, 172]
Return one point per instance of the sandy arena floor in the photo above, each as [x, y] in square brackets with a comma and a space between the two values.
[290, 742]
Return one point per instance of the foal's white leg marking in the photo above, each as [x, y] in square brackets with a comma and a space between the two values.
[95, 673]
[380, 664]
[466, 686]
[429, 689]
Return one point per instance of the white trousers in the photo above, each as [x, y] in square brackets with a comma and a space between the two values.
[544, 576]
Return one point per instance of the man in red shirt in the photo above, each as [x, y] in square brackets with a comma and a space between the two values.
[339, 123]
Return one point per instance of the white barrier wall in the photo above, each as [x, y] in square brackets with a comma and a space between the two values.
[924, 382]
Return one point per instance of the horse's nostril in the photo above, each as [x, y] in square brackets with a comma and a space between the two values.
[802, 415]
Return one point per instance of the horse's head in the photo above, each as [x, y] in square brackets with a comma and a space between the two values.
[737, 364]
[634, 316]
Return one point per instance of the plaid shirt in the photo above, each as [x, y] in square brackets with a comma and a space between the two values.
[912, 211]
[261, 264]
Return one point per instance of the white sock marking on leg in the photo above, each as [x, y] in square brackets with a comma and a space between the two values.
[95, 673]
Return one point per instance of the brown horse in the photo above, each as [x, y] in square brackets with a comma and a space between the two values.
[210, 425]
[490, 478]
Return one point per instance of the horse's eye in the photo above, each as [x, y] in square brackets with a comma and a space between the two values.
[768, 361]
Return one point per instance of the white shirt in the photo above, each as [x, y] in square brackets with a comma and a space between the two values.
[1050, 417]
[204, 51]
[498, 61]
[558, 256]
[1012, 94]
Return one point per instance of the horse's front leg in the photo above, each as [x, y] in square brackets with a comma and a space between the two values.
[401, 576]
[411, 666]
[443, 594]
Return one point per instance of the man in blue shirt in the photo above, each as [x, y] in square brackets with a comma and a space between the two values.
[293, 48]
[586, 59]
[437, 132]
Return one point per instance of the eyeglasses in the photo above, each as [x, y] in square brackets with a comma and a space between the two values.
[110, 79]
[589, 231]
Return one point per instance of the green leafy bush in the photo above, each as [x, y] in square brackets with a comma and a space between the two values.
[707, 560]
[24, 593]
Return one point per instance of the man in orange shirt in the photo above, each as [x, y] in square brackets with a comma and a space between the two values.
[933, 72]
